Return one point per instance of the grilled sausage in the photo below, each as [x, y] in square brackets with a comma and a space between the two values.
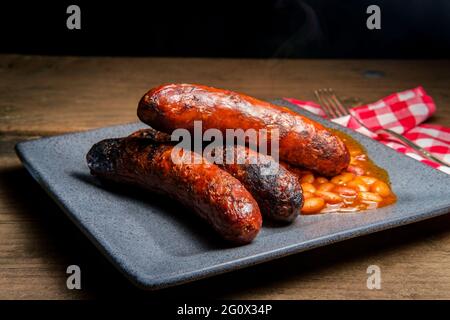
[212, 193]
[279, 194]
[152, 135]
[303, 142]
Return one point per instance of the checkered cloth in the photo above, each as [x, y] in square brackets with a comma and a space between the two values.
[403, 113]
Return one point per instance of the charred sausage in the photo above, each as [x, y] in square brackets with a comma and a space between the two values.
[278, 193]
[303, 142]
[211, 192]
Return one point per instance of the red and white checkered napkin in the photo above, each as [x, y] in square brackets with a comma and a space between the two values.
[403, 113]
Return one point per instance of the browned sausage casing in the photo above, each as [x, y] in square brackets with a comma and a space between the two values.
[212, 193]
[279, 195]
[303, 142]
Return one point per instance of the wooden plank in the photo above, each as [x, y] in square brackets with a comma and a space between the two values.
[48, 95]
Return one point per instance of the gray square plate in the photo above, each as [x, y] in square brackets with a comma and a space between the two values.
[156, 243]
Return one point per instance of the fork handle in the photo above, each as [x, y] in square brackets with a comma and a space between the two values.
[416, 147]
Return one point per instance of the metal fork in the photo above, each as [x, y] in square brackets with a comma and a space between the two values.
[334, 108]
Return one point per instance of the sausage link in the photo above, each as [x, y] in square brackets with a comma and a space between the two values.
[303, 142]
[212, 193]
[278, 193]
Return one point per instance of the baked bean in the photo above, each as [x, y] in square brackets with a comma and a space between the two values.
[370, 196]
[321, 180]
[358, 185]
[362, 186]
[308, 178]
[329, 197]
[343, 178]
[368, 180]
[345, 191]
[327, 186]
[308, 187]
[307, 195]
[313, 205]
[355, 170]
[381, 188]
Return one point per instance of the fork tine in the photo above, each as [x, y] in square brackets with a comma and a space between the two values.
[331, 105]
[344, 109]
[318, 94]
[324, 103]
[336, 105]
[328, 103]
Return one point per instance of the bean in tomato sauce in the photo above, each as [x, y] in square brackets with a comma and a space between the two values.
[362, 186]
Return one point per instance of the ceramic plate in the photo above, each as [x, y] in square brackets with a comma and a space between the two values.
[157, 243]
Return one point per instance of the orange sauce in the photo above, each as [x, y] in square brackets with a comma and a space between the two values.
[362, 186]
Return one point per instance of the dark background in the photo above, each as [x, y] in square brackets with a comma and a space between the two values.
[264, 28]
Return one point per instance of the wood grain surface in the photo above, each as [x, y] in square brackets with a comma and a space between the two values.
[42, 96]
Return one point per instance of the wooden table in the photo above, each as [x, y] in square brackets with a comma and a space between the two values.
[42, 96]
